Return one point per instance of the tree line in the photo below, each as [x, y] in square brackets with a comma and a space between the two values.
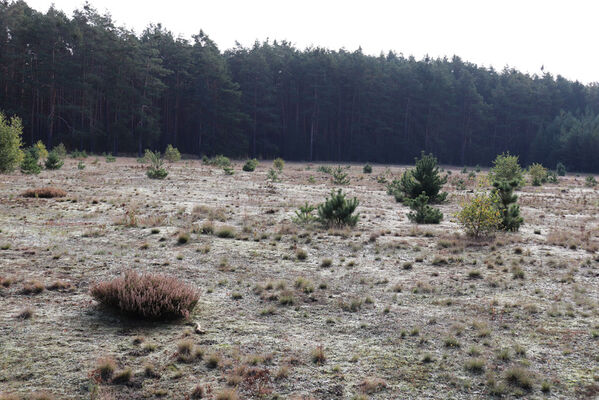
[92, 85]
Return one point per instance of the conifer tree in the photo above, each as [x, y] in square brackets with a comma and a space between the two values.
[509, 210]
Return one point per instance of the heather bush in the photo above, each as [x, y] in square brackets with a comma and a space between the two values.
[45, 193]
[151, 296]
[171, 154]
[11, 154]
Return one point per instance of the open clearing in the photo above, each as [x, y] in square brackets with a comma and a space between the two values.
[402, 311]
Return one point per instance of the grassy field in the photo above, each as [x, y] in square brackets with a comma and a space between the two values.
[387, 310]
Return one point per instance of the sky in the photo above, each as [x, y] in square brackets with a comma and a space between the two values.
[526, 34]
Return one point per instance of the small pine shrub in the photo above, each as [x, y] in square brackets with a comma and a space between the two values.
[228, 170]
[273, 175]
[480, 216]
[53, 161]
[560, 169]
[506, 168]
[171, 154]
[78, 154]
[110, 158]
[538, 174]
[250, 165]
[367, 169]
[278, 164]
[325, 169]
[422, 213]
[11, 154]
[590, 181]
[60, 150]
[425, 178]
[29, 164]
[150, 296]
[304, 215]
[552, 177]
[40, 148]
[218, 161]
[339, 177]
[509, 210]
[80, 165]
[155, 170]
[338, 211]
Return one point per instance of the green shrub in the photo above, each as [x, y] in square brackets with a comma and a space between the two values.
[480, 216]
[80, 165]
[78, 154]
[11, 154]
[228, 170]
[367, 169]
[53, 161]
[590, 181]
[424, 178]
[538, 174]
[324, 169]
[338, 211]
[506, 204]
[60, 150]
[422, 213]
[278, 163]
[250, 165]
[110, 158]
[218, 161]
[552, 177]
[339, 176]
[273, 175]
[171, 154]
[155, 170]
[29, 165]
[506, 168]
[40, 148]
[304, 214]
[560, 169]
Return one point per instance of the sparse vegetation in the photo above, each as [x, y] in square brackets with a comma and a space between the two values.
[338, 211]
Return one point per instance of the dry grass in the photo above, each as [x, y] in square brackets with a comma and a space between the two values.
[45, 193]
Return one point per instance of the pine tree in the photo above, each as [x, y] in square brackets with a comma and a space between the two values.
[29, 164]
[53, 161]
[509, 210]
[422, 213]
[10, 143]
[338, 211]
[425, 179]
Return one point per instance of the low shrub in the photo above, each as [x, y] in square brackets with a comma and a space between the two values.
[45, 193]
[338, 211]
[422, 213]
[250, 165]
[171, 154]
[367, 169]
[30, 165]
[53, 161]
[278, 163]
[152, 296]
[480, 216]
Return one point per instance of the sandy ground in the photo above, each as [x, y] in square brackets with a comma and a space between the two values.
[401, 312]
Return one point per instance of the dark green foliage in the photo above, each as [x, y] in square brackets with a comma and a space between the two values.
[53, 161]
[560, 169]
[29, 164]
[509, 210]
[273, 99]
[339, 177]
[421, 212]
[11, 154]
[250, 165]
[367, 169]
[304, 214]
[338, 211]
[155, 170]
[424, 178]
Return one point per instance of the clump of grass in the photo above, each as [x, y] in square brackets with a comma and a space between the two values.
[25, 313]
[33, 287]
[236, 296]
[59, 285]
[451, 342]
[517, 272]
[301, 254]
[227, 394]
[286, 298]
[225, 232]
[475, 365]
[197, 392]
[282, 373]
[105, 368]
[213, 360]
[326, 263]
[474, 274]
[519, 377]
[407, 266]
[318, 356]
[183, 238]
[373, 385]
[150, 371]
[151, 296]
[122, 376]
[504, 355]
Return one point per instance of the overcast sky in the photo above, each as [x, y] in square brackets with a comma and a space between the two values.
[525, 34]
